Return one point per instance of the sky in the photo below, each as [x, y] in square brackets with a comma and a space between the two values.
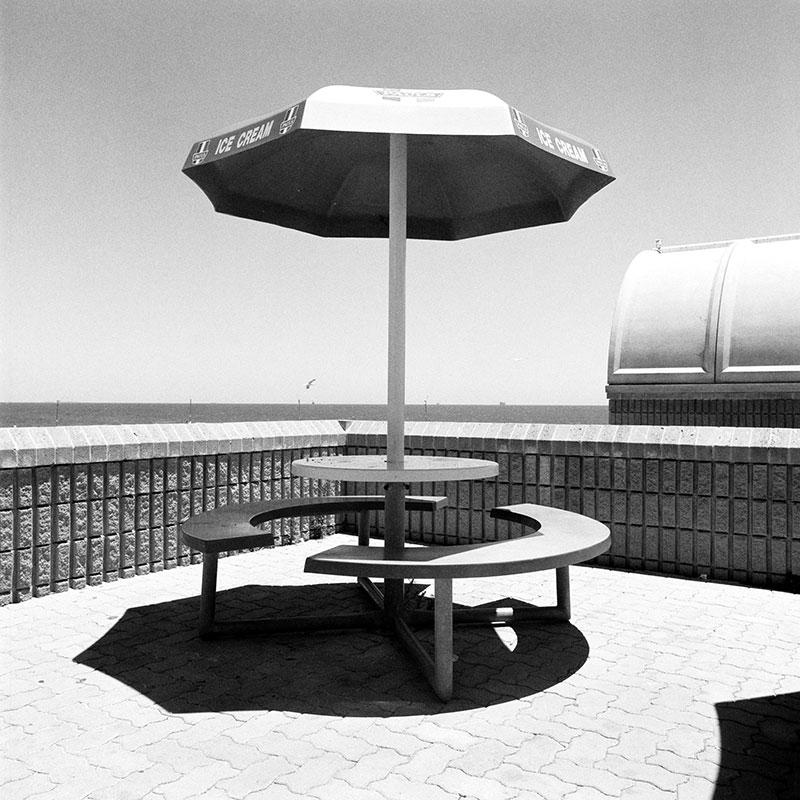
[119, 282]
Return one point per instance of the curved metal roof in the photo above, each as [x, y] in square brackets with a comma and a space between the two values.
[720, 313]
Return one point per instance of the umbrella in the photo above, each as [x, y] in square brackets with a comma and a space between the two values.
[419, 164]
[423, 164]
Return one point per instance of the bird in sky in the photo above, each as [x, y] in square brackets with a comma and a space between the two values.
[308, 385]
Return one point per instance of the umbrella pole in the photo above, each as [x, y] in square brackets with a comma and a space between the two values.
[397, 299]
[394, 519]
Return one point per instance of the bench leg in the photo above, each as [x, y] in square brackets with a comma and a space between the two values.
[562, 591]
[208, 594]
[437, 670]
[509, 615]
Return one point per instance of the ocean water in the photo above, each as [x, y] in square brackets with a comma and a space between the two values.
[50, 414]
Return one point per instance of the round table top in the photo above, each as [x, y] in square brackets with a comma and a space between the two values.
[374, 469]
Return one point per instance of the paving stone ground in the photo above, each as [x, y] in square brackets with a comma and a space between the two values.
[658, 688]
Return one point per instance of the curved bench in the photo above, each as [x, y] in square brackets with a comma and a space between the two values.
[557, 539]
[234, 527]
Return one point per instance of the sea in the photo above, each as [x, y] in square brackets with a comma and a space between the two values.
[64, 413]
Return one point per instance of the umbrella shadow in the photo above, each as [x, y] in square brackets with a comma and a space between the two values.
[760, 748]
[155, 650]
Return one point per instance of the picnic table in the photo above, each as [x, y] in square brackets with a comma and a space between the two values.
[553, 539]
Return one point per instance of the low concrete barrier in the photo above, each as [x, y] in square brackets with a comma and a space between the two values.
[92, 504]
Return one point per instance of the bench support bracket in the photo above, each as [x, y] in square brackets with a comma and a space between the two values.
[438, 670]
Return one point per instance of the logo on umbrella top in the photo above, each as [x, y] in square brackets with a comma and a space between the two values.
[398, 95]
[520, 122]
[289, 119]
[202, 151]
[599, 160]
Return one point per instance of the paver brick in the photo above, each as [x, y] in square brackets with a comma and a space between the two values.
[634, 701]
[277, 791]
[29, 786]
[459, 783]
[122, 724]
[686, 741]
[695, 788]
[602, 724]
[338, 789]
[654, 774]
[294, 751]
[315, 773]
[95, 737]
[152, 733]
[398, 787]
[503, 732]
[221, 748]
[258, 776]
[531, 783]
[481, 758]
[586, 793]
[588, 748]
[635, 744]
[624, 720]
[197, 781]
[534, 754]
[372, 767]
[427, 761]
[16, 743]
[381, 736]
[685, 765]
[601, 779]
[94, 783]
[169, 751]
[137, 785]
[430, 731]
[645, 791]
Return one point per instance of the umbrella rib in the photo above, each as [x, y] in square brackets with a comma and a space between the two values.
[340, 191]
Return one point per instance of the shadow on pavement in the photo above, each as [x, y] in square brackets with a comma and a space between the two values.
[155, 650]
[760, 748]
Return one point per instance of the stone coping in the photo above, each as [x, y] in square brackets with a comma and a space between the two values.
[29, 447]
[774, 445]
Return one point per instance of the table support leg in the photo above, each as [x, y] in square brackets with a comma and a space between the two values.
[394, 541]
[208, 594]
[443, 637]
[363, 528]
[373, 592]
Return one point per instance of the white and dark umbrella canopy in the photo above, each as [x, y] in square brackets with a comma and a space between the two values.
[475, 165]
[419, 164]
[397, 163]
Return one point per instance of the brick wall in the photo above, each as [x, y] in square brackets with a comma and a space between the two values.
[720, 503]
[758, 412]
[85, 505]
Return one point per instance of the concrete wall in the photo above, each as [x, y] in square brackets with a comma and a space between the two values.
[85, 505]
[721, 503]
[90, 504]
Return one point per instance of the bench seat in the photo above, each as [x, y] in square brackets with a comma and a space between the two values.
[556, 539]
[234, 527]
